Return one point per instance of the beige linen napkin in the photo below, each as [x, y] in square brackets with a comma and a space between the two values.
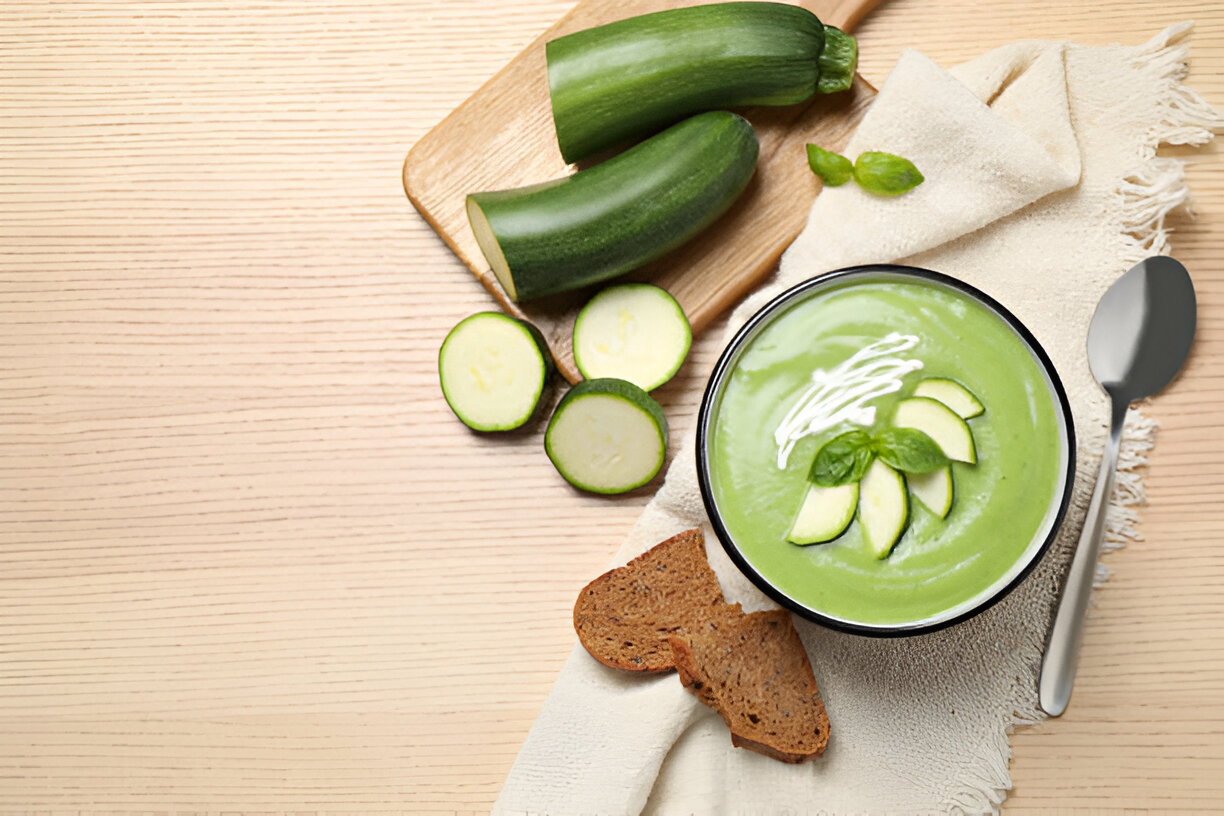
[1042, 186]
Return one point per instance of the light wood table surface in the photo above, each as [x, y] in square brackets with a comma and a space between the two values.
[248, 560]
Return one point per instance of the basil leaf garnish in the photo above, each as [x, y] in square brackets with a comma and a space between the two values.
[909, 450]
[843, 459]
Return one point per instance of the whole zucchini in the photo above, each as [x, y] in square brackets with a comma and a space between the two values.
[628, 79]
[619, 214]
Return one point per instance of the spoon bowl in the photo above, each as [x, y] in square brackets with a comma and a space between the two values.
[1142, 329]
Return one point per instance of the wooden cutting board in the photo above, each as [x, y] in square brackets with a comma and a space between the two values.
[503, 136]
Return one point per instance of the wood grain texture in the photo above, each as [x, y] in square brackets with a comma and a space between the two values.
[249, 563]
[503, 137]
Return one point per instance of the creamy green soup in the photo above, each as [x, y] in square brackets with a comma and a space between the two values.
[1003, 507]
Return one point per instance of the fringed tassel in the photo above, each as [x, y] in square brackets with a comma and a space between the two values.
[1157, 185]
[1187, 118]
[1138, 438]
[1146, 197]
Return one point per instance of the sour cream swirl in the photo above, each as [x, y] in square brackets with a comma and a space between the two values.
[843, 393]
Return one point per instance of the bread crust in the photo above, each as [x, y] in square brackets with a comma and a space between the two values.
[664, 610]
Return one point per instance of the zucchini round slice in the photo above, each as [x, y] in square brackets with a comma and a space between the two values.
[635, 332]
[607, 436]
[493, 369]
[617, 215]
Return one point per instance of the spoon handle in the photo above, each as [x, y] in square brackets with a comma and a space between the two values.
[1062, 649]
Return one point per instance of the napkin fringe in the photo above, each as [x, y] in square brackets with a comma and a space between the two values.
[1146, 197]
[1188, 119]
[988, 789]
[1157, 185]
[1122, 515]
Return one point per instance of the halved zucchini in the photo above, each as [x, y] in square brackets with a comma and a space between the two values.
[635, 332]
[493, 369]
[617, 215]
[607, 436]
[939, 422]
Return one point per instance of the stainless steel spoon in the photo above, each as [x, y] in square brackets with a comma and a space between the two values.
[1139, 338]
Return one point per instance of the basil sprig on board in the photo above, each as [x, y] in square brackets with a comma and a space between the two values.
[845, 458]
[880, 173]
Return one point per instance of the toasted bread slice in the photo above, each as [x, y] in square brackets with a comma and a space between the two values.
[754, 671]
[625, 616]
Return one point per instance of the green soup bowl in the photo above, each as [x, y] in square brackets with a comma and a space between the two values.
[954, 460]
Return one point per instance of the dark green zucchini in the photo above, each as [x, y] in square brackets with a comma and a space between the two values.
[619, 214]
[625, 80]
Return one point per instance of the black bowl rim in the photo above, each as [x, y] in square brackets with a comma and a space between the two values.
[724, 364]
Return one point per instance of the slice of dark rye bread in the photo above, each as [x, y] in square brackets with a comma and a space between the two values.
[754, 671]
[625, 616]
[665, 609]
